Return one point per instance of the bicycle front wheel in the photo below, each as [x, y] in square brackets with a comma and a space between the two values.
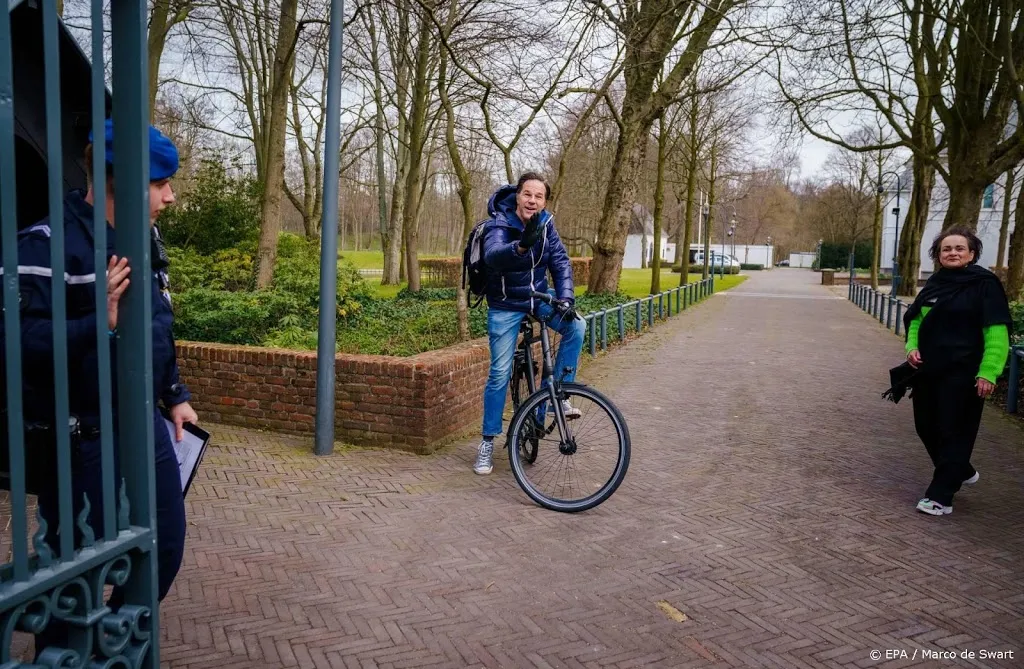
[578, 470]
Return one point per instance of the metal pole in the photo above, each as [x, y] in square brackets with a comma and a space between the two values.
[896, 244]
[327, 340]
[130, 72]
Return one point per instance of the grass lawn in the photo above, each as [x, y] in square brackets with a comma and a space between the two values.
[637, 282]
[364, 259]
[632, 282]
[371, 259]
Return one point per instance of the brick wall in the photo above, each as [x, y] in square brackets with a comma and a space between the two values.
[414, 403]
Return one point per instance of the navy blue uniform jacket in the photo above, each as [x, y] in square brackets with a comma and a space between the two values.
[80, 281]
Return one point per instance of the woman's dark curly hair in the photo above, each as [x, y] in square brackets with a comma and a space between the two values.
[973, 243]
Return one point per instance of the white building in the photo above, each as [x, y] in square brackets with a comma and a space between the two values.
[640, 240]
[803, 259]
[640, 243]
[895, 214]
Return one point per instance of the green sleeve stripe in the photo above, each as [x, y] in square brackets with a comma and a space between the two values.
[997, 350]
[915, 325]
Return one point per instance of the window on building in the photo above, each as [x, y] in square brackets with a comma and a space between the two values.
[989, 196]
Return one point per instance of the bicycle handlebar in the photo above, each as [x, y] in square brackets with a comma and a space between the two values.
[563, 308]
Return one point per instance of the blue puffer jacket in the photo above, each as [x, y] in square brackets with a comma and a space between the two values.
[510, 276]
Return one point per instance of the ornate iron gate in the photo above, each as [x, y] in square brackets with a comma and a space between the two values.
[64, 586]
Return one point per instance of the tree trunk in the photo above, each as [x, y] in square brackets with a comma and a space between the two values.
[712, 182]
[914, 226]
[659, 208]
[1015, 261]
[394, 257]
[630, 154]
[683, 240]
[273, 190]
[876, 227]
[965, 196]
[1004, 227]
[417, 141]
[155, 42]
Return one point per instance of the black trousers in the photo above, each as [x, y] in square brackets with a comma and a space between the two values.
[86, 477]
[947, 415]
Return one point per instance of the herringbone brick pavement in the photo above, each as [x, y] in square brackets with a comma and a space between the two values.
[770, 500]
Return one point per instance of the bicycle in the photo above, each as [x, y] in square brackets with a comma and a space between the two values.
[543, 441]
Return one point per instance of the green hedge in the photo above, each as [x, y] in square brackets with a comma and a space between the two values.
[835, 256]
[752, 266]
[212, 301]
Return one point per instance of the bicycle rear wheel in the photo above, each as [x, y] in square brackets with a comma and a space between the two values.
[520, 392]
[583, 470]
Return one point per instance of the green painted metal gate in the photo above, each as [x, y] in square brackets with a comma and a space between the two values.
[43, 586]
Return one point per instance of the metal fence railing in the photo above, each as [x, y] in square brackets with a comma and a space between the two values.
[889, 310]
[616, 322]
[1013, 394]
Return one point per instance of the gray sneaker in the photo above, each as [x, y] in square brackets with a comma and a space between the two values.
[570, 411]
[484, 458]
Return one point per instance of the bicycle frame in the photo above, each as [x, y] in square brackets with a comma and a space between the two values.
[547, 365]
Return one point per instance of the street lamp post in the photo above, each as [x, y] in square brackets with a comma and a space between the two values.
[732, 229]
[732, 238]
[896, 242]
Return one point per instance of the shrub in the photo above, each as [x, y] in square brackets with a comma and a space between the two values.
[835, 256]
[297, 273]
[221, 213]
[212, 300]
[205, 314]
[752, 266]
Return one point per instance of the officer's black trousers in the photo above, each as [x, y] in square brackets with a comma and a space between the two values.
[170, 513]
[947, 415]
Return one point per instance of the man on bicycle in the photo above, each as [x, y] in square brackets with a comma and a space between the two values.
[521, 246]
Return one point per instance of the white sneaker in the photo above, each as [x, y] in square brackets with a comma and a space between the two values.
[484, 458]
[933, 508]
[570, 411]
[973, 479]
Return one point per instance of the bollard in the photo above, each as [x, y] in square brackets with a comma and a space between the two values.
[604, 330]
[593, 335]
[1013, 392]
[622, 324]
[899, 316]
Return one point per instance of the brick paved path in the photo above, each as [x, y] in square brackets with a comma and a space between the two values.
[770, 501]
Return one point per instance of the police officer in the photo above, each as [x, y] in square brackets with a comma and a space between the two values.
[37, 327]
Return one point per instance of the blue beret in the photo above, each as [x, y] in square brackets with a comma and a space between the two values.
[163, 155]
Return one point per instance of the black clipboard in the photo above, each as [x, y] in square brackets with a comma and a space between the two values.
[189, 452]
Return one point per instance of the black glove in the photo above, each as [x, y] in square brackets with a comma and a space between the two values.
[563, 306]
[532, 232]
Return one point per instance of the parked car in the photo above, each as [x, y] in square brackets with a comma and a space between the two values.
[717, 260]
[782, 263]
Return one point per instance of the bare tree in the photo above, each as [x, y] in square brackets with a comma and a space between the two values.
[650, 32]
[1004, 227]
[164, 16]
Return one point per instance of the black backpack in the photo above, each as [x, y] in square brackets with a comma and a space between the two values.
[474, 271]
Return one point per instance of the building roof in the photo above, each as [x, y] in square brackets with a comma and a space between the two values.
[641, 222]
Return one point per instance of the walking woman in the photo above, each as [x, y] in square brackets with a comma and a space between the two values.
[958, 338]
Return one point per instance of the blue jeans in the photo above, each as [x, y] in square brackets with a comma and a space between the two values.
[503, 332]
